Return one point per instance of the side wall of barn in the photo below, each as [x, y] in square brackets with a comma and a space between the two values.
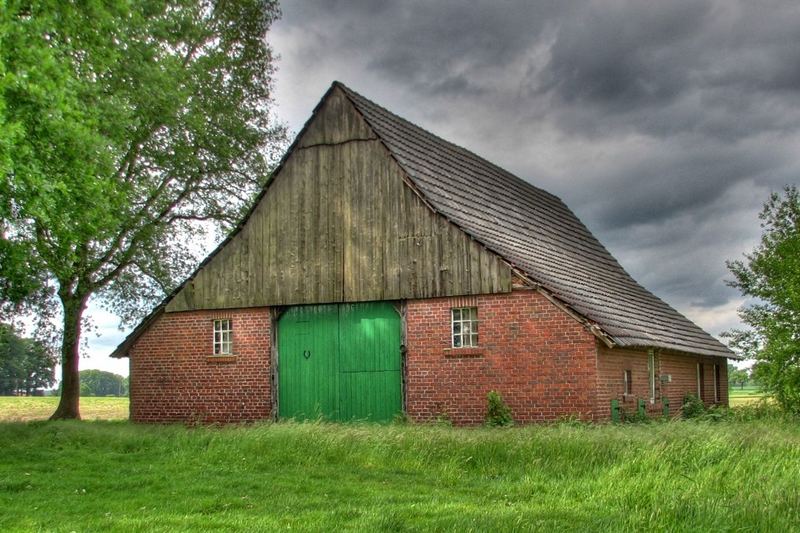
[683, 371]
[540, 360]
[675, 375]
[176, 378]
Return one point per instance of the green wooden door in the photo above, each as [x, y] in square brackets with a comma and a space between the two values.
[369, 362]
[358, 374]
[308, 340]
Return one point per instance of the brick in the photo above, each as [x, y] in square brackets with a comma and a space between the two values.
[544, 363]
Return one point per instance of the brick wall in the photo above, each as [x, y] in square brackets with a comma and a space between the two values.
[175, 377]
[543, 363]
[537, 357]
[683, 370]
[611, 366]
[612, 363]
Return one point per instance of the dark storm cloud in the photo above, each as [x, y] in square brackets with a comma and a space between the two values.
[719, 69]
[428, 45]
[667, 184]
[624, 55]
[663, 125]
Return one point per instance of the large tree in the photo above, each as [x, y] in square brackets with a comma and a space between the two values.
[130, 124]
[770, 275]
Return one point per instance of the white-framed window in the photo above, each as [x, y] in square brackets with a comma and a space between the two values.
[627, 377]
[223, 336]
[651, 369]
[465, 327]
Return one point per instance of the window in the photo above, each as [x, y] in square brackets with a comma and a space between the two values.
[223, 337]
[628, 380]
[717, 381]
[651, 368]
[465, 327]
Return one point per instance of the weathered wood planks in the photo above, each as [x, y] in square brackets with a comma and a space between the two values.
[340, 224]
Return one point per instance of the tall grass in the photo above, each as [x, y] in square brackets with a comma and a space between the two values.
[731, 475]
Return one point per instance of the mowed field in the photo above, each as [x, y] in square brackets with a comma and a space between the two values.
[24, 409]
[744, 396]
[739, 474]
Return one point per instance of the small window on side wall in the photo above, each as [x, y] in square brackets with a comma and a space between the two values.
[628, 382]
[223, 337]
[465, 327]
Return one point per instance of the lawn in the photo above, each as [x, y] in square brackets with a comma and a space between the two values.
[26, 408]
[116, 476]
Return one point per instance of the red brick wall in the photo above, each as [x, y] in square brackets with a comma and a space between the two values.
[681, 367]
[175, 377]
[542, 361]
[683, 370]
[611, 366]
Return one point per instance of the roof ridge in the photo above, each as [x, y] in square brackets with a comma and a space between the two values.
[449, 144]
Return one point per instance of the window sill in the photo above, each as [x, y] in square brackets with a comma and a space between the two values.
[221, 358]
[463, 353]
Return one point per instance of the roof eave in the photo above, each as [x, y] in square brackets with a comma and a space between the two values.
[681, 350]
[593, 327]
[124, 347]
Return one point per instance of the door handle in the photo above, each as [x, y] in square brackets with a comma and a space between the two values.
[307, 353]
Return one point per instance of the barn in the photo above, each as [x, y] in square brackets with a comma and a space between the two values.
[384, 271]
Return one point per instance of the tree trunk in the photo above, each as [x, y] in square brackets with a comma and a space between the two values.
[69, 404]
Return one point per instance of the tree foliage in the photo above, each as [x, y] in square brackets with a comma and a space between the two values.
[102, 383]
[737, 377]
[130, 124]
[770, 275]
[26, 365]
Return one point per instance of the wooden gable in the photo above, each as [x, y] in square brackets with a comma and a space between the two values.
[340, 222]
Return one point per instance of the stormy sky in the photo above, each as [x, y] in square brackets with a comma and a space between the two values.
[663, 125]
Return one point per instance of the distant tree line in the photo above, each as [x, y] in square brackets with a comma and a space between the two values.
[102, 383]
[27, 366]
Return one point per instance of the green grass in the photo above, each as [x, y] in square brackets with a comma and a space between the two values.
[26, 408]
[676, 476]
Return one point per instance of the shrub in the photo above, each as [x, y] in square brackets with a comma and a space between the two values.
[692, 406]
[498, 414]
[715, 413]
[635, 417]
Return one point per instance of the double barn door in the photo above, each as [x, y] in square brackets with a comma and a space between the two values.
[340, 362]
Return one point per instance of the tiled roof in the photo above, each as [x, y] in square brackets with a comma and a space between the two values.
[535, 232]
